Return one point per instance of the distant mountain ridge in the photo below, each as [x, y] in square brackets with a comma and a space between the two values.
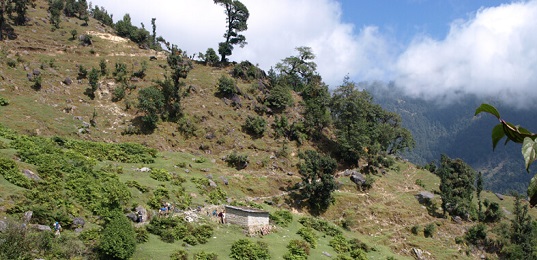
[453, 130]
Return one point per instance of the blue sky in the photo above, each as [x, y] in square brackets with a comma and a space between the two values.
[406, 18]
[432, 49]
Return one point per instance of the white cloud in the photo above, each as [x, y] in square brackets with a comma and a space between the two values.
[493, 54]
[275, 29]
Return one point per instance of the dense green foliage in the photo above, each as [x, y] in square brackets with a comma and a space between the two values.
[317, 180]
[226, 86]
[457, 187]
[523, 234]
[245, 249]
[244, 70]
[364, 129]
[238, 161]
[255, 125]
[320, 225]
[308, 234]
[11, 172]
[515, 134]
[118, 238]
[298, 250]
[281, 218]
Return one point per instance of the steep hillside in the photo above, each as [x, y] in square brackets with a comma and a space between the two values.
[453, 130]
[66, 156]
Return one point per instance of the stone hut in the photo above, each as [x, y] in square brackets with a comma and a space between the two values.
[252, 219]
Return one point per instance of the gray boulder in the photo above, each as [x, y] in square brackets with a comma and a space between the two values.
[358, 178]
[424, 196]
[78, 222]
[31, 175]
[41, 227]
[27, 216]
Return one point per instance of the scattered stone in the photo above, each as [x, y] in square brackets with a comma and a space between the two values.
[67, 81]
[78, 230]
[224, 179]
[144, 169]
[152, 58]
[132, 216]
[290, 173]
[358, 178]
[424, 196]
[418, 252]
[36, 72]
[457, 220]
[78, 222]
[187, 170]
[205, 170]
[212, 184]
[3, 226]
[327, 254]
[40, 227]
[78, 118]
[31, 175]
[209, 176]
[27, 216]
[500, 196]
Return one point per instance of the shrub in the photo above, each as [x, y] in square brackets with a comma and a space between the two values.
[210, 57]
[102, 66]
[120, 72]
[429, 230]
[142, 235]
[255, 125]
[205, 256]
[415, 229]
[118, 94]
[308, 234]
[180, 254]
[216, 196]
[279, 98]
[492, 213]
[3, 101]
[281, 217]
[37, 82]
[238, 161]
[11, 63]
[82, 72]
[11, 172]
[476, 234]
[247, 71]
[339, 244]
[298, 249]
[187, 127]
[420, 183]
[160, 175]
[119, 238]
[244, 249]
[73, 34]
[226, 86]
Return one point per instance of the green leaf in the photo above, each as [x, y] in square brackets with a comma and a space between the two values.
[489, 109]
[512, 132]
[529, 148]
[532, 191]
[497, 135]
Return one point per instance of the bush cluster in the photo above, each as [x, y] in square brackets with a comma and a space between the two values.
[321, 226]
[281, 218]
[237, 161]
[255, 125]
[174, 228]
[247, 249]
[160, 175]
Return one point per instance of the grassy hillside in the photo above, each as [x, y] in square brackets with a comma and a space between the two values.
[85, 150]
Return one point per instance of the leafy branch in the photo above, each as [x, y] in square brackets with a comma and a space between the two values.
[516, 134]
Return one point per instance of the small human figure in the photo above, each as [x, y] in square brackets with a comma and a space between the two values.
[214, 213]
[221, 216]
[139, 217]
[57, 228]
[224, 217]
